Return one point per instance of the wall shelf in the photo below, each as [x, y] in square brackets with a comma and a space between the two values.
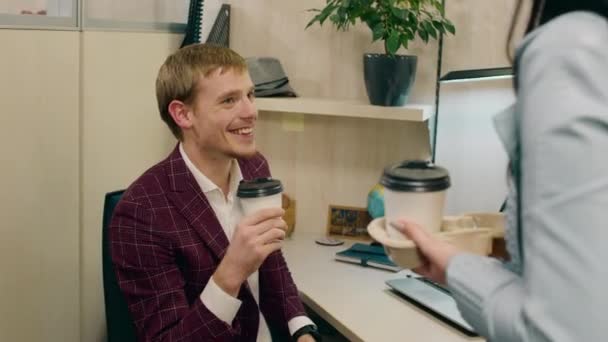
[343, 108]
[477, 74]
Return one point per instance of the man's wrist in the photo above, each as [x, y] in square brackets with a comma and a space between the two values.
[307, 330]
[221, 304]
[227, 280]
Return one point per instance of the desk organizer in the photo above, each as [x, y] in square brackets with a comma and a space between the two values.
[494, 221]
[465, 232]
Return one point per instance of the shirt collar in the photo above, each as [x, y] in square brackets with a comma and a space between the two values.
[506, 128]
[205, 183]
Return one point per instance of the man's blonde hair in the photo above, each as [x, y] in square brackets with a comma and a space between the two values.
[178, 77]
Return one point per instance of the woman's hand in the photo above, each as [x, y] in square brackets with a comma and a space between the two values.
[434, 253]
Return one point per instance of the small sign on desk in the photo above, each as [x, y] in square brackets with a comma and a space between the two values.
[348, 222]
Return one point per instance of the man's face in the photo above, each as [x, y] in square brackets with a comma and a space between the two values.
[224, 115]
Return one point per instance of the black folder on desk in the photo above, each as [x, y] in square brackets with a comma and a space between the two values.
[367, 255]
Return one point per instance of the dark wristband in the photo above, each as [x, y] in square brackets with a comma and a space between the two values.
[307, 329]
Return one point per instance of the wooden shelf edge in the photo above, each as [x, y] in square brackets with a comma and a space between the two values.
[330, 107]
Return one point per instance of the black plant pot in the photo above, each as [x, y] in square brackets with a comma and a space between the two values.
[388, 80]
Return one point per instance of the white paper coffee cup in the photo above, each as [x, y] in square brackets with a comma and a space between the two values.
[258, 194]
[414, 190]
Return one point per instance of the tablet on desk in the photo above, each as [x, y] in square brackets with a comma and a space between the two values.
[432, 298]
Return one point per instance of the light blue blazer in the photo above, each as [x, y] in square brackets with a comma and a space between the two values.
[556, 135]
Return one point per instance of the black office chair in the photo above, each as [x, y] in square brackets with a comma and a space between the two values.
[119, 323]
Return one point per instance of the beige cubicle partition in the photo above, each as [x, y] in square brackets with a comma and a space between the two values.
[482, 29]
[39, 201]
[122, 135]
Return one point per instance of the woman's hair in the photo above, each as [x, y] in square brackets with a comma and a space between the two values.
[546, 10]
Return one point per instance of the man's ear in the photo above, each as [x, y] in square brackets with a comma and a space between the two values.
[181, 113]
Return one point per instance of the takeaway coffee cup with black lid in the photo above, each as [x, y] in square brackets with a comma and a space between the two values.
[414, 189]
[259, 193]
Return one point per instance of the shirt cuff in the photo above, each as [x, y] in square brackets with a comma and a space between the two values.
[221, 304]
[298, 322]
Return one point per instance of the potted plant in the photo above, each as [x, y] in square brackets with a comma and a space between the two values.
[388, 76]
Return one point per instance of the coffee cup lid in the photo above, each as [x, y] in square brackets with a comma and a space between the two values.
[259, 187]
[415, 176]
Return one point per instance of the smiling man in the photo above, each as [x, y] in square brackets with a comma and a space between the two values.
[191, 266]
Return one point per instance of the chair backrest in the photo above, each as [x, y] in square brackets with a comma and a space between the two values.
[119, 323]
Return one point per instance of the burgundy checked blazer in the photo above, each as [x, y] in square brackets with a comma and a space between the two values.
[166, 242]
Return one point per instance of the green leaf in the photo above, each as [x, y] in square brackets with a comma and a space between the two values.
[312, 21]
[428, 27]
[439, 26]
[399, 13]
[405, 40]
[371, 19]
[334, 18]
[423, 35]
[393, 42]
[378, 31]
[325, 13]
[413, 18]
[409, 34]
[449, 26]
[415, 4]
[437, 4]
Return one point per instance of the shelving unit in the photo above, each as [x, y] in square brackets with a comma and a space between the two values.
[329, 107]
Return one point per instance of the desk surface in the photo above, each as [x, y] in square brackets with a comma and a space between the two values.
[355, 299]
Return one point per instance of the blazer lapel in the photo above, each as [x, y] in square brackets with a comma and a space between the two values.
[254, 167]
[187, 197]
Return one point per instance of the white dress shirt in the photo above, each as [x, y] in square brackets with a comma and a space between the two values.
[229, 213]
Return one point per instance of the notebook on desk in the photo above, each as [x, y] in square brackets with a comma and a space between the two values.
[432, 298]
[367, 255]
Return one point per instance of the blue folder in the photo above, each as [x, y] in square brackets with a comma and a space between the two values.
[367, 255]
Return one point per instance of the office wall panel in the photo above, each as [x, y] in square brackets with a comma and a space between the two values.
[39, 244]
[122, 135]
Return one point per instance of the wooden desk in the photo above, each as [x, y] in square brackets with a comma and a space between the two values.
[355, 299]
